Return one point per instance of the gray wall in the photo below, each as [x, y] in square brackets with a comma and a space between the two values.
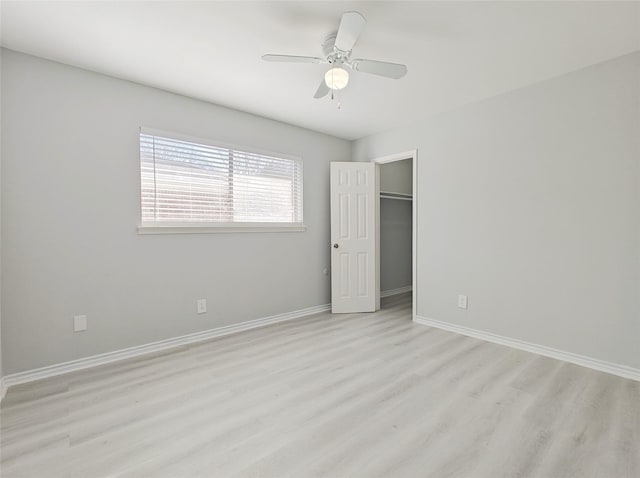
[70, 200]
[529, 203]
[395, 226]
[397, 176]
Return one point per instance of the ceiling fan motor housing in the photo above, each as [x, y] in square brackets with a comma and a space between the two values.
[328, 47]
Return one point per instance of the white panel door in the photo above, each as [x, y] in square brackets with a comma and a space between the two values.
[355, 201]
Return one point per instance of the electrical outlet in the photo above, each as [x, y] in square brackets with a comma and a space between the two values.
[462, 301]
[201, 305]
[79, 323]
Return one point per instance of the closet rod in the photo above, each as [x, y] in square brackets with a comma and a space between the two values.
[400, 196]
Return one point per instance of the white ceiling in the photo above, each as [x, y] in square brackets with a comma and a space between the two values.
[456, 52]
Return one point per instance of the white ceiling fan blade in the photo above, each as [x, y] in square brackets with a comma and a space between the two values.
[351, 26]
[292, 58]
[380, 68]
[322, 90]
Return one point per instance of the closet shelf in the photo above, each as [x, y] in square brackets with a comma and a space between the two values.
[392, 195]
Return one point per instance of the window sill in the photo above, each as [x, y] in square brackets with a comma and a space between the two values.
[216, 229]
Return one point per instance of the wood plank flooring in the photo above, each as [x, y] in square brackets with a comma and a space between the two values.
[358, 395]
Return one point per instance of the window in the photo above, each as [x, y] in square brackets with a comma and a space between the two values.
[192, 184]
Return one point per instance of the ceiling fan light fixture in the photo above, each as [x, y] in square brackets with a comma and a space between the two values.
[336, 78]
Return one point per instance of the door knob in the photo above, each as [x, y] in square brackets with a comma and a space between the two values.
[335, 246]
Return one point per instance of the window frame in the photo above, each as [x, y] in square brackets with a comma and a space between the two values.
[179, 227]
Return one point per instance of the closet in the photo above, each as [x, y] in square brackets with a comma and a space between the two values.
[396, 197]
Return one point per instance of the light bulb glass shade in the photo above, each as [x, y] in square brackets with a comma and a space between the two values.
[336, 78]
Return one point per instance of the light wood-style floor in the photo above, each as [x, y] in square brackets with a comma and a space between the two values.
[330, 395]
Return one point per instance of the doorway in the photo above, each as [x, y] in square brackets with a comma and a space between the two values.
[355, 233]
[397, 223]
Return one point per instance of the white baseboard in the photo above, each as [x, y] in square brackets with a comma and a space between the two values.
[110, 357]
[399, 290]
[589, 362]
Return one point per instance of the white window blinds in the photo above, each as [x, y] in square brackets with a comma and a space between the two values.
[185, 183]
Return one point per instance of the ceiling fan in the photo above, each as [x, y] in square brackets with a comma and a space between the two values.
[336, 51]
